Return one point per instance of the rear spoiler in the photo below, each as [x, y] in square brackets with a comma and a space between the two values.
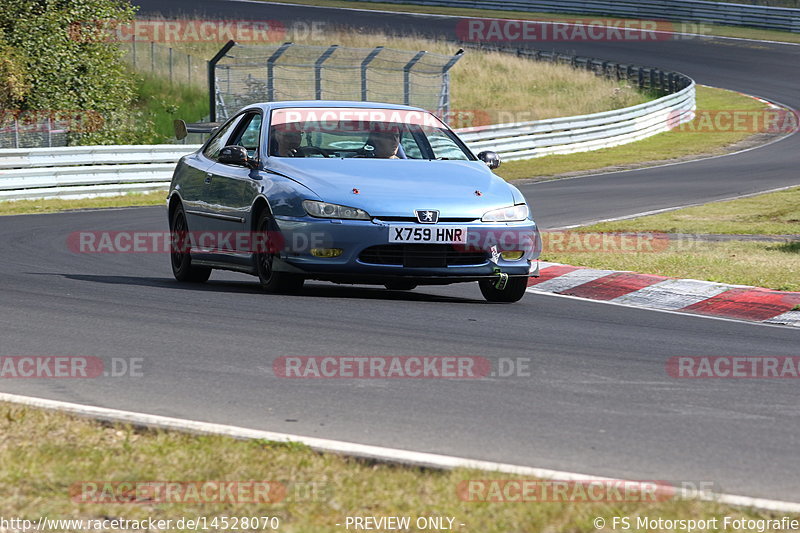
[182, 129]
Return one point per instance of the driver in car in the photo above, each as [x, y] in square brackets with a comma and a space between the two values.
[287, 141]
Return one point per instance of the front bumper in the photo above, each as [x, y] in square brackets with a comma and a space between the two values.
[301, 235]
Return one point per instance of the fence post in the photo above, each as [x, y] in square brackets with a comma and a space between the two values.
[407, 77]
[318, 70]
[271, 70]
[152, 57]
[212, 85]
[444, 106]
[364, 64]
[189, 68]
[170, 66]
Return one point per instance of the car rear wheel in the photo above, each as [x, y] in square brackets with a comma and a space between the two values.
[272, 281]
[512, 292]
[180, 256]
[400, 285]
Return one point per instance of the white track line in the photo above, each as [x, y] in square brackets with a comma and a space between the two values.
[363, 451]
[766, 323]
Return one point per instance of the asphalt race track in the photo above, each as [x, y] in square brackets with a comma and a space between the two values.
[598, 400]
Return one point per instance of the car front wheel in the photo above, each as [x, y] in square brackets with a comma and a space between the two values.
[512, 292]
[272, 281]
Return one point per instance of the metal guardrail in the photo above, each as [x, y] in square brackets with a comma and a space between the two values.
[75, 172]
[772, 18]
[583, 133]
[590, 132]
[80, 171]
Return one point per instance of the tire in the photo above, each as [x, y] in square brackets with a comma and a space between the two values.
[272, 281]
[180, 257]
[513, 291]
[400, 285]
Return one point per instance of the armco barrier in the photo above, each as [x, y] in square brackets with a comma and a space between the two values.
[80, 171]
[772, 18]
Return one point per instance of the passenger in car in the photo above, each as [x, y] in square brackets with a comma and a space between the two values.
[383, 145]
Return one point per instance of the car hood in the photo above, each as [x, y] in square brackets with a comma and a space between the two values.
[389, 187]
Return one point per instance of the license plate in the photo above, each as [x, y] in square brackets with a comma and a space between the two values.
[428, 234]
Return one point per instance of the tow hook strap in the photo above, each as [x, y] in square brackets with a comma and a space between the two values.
[501, 281]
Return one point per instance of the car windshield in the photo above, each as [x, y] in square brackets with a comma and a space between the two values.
[362, 133]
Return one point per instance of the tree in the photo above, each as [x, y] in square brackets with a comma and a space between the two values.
[60, 66]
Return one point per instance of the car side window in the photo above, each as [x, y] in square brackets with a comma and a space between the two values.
[248, 134]
[217, 141]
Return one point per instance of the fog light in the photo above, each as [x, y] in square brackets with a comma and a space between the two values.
[326, 252]
[516, 255]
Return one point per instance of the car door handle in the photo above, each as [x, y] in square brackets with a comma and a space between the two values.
[208, 177]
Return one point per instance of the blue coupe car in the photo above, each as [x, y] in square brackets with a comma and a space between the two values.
[349, 192]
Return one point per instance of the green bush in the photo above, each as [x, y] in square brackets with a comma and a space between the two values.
[60, 66]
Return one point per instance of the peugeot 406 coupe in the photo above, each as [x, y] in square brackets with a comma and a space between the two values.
[349, 192]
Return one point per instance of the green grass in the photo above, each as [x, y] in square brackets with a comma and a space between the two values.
[770, 265]
[163, 102]
[762, 264]
[44, 454]
[703, 29]
[669, 146]
[25, 207]
[776, 213]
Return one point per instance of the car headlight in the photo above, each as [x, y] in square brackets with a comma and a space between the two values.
[326, 210]
[515, 213]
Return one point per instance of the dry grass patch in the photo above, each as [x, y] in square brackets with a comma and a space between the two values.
[45, 453]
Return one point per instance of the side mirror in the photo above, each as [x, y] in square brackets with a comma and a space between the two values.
[235, 155]
[491, 159]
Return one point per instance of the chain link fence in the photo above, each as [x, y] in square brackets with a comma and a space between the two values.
[20, 132]
[165, 62]
[243, 74]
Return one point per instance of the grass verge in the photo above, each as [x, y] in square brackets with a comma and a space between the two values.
[688, 141]
[45, 454]
[740, 32]
[776, 213]
[29, 207]
[774, 265]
